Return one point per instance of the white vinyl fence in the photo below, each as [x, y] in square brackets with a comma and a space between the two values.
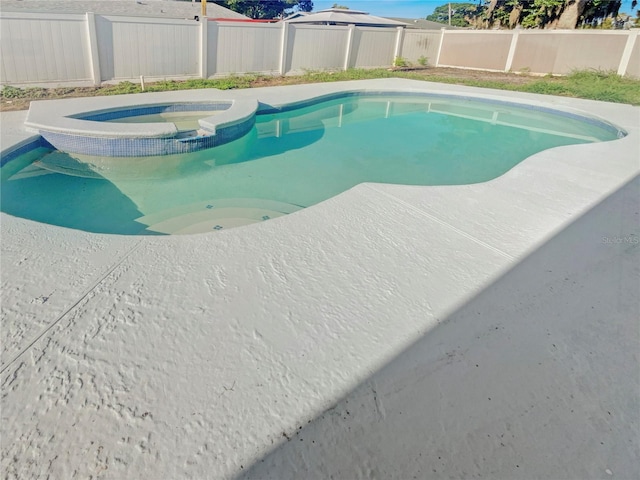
[44, 48]
[56, 48]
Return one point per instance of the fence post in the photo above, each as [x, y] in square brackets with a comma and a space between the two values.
[347, 54]
[204, 46]
[512, 50]
[284, 46]
[398, 47]
[442, 30]
[93, 49]
[626, 53]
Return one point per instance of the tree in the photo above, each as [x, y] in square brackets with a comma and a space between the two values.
[267, 8]
[459, 14]
[304, 6]
[597, 10]
[342, 7]
[541, 13]
[530, 13]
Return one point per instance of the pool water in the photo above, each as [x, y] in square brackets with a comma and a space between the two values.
[182, 120]
[289, 161]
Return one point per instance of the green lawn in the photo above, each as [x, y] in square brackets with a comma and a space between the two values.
[589, 84]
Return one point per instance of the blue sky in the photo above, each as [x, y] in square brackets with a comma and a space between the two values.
[386, 8]
[405, 8]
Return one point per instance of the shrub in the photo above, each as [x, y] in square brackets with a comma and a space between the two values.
[400, 62]
[11, 92]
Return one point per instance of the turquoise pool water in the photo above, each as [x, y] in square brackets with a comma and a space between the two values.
[182, 120]
[289, 161]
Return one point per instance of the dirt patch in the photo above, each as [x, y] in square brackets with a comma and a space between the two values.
[12, 103]
[456, 73]
[13, 99]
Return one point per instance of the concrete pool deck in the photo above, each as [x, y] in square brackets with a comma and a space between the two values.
[487, 330]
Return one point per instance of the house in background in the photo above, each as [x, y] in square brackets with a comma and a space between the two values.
[339, 16]
[148, 8]
[295, 15]
[422, 24]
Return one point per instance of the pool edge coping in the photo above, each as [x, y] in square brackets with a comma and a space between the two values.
[257, 100]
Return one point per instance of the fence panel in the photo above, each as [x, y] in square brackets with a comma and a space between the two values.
[129, 47]
[44, 48]
[54, 48]
[564, 51]
[421, 43]
[315, 47]
[373, 47]
[242, 48]
[474, 49]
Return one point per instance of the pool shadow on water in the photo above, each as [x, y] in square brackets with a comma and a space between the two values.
[285, 130]
[268, 139]
[99, 194]
[536, 376]
[83, 202]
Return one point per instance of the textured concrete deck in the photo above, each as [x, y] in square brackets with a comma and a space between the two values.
[487, 330]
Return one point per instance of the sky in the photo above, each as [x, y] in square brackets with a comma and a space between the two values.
[385, 8]
[405, 8]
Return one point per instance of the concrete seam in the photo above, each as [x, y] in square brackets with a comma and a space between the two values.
[442, 222]
[72, 307]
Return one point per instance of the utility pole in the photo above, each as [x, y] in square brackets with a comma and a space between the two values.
[449, 14]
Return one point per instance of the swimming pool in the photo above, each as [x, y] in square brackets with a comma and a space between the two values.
[293, 157]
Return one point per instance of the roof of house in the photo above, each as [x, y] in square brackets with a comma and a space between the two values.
[337, 16]
[150, 8]
[296, 15]
[423, 24]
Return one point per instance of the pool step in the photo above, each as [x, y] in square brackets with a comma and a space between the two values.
[32, 170]
[58, 162]
[214, 215]
[201, 222]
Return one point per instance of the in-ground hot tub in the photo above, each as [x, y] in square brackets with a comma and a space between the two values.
[107, 129]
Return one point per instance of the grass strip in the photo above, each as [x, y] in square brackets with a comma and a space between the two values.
[588, 84]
